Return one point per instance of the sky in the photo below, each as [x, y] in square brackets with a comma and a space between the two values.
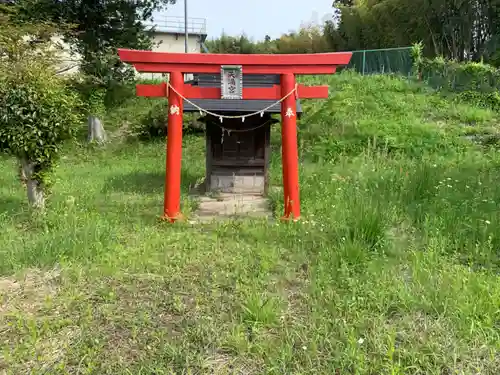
[255, 18]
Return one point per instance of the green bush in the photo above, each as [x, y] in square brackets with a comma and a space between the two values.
[481, 99]
[477, 83]
[454, 76]
[155, 122]
[38, 112]
[98, 97]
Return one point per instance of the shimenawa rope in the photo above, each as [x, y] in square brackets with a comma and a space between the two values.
[242, 117]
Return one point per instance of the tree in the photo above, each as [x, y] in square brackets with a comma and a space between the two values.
[37, 112]
[230, 44]
[99, 28]
[457, 29]
[308, 39]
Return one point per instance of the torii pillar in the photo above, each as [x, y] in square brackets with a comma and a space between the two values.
[171, 203]
[289, 149]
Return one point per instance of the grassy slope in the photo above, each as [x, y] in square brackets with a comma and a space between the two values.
[393, 270]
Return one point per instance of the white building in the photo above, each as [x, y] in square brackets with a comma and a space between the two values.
[169, 36]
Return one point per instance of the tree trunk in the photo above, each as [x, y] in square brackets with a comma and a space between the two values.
[34, 188]
[96, 131]
[22, 174]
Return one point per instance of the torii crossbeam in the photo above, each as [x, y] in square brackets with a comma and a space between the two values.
[287, 66]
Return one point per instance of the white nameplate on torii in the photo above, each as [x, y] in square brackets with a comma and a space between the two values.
[231, 81]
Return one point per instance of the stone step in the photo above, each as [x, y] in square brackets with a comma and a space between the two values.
[226, 206]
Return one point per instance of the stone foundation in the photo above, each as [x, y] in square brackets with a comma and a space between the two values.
[237, 184]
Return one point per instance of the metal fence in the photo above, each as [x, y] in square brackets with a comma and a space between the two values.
[171, 24]
[380, 61]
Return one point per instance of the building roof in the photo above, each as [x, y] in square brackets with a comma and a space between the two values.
[234, 105]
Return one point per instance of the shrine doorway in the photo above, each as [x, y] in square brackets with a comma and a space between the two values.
[237, 159]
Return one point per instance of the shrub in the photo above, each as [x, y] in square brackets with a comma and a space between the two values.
[454, 76]
[154, 123]
[475, 82]
[38, 112]
[481, 99]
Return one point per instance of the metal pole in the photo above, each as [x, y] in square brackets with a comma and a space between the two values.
[364, 61]
[186, 26]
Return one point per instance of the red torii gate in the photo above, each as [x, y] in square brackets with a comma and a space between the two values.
[287, 66]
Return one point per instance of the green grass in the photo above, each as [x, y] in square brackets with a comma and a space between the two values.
[394, 268]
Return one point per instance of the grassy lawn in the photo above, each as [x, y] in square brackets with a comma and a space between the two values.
[394, 268]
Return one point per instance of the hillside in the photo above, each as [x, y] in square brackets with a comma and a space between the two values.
[392, 270]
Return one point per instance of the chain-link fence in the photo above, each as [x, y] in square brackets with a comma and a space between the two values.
[380, 61]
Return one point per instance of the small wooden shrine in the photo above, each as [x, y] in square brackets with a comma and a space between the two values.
[237, 94]
[238, 148]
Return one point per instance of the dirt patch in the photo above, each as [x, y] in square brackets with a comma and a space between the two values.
[26, 293]
[224, 364]
[34, 343]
